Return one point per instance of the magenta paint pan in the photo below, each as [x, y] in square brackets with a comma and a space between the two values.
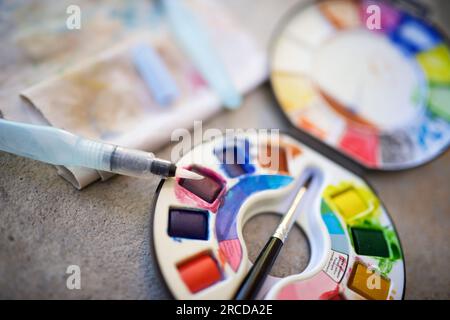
[206, 193]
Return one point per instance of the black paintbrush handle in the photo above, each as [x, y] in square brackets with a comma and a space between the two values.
[258, 273]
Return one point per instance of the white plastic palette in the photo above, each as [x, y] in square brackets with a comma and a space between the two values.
[197, 227]
[380, 96]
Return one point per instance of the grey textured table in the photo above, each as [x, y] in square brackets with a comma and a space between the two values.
[46, 225]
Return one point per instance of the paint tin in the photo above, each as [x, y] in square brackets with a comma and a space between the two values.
[377, 93]
[345, 223]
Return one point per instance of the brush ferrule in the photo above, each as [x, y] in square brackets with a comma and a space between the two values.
[289, 218]
[281, 232]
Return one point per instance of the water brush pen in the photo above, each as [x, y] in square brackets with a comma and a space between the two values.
[59, 147]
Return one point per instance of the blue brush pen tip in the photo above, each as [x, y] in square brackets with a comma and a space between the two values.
[233, 102]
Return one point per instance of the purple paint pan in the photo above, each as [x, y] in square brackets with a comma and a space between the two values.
[188, 223]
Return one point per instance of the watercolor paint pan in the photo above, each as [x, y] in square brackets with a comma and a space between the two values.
[370, 242]
[360, 281]
[235, 158]
[344, 222]
[274, 158]
[350, 204]
[188, 223]
[199, 272]
[208, 188]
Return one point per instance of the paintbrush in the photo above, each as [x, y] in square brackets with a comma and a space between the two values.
[59, 147]
[255, 277]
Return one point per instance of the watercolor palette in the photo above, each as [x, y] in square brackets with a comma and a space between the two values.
[379, 93]
[197, 226]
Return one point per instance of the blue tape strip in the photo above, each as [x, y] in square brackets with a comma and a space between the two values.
[155, 74]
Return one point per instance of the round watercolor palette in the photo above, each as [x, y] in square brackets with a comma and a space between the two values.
[366, 77]
[355, 252]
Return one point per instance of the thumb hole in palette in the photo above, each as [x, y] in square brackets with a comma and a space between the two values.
[295, 254]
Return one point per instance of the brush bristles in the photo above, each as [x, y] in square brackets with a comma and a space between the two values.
[186, 174]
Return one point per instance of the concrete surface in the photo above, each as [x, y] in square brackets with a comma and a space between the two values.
[46, 225]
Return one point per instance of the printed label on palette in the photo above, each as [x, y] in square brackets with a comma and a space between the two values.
[336, 266]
